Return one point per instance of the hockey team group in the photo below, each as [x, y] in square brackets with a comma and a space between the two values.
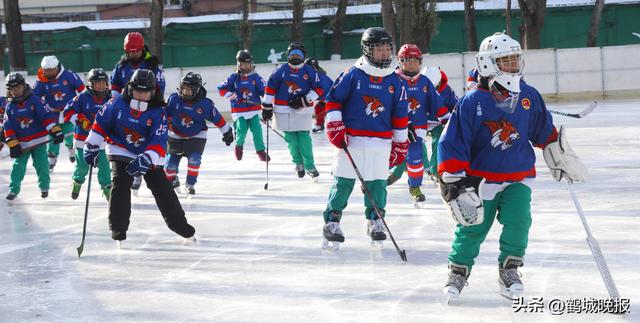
[377, 114]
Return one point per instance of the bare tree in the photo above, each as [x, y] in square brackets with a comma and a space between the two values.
[245, 26]
[389, 18]
[13, 25]
[424, 23]
[297, 31]
[470, 25]
[533, 12]
[507, 14]
[338, 24]
[404, 20]
[155, 28]
[592, 37]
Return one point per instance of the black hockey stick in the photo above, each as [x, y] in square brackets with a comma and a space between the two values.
[86, 212]
[274, 130]
[266, 184]
[579, 115]
[401, 252]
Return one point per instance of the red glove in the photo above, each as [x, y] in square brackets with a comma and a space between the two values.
[337, 133]
[83, 122]
[398, 153]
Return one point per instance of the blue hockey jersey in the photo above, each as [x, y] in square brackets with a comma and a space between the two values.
[286, 82]
[3, 106]
[422, 100]
[123, 70]
[29, 121]
[483, 140]
[325, 83]
[85, 106]
[58, 92]
[369, 106]
[188, 119]
[128, 132]
[249, 90]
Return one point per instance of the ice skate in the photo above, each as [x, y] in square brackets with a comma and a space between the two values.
[458, 275]
[332, 236]
[313, 173]
[135, 185]
[75, 190]
[417, 197]
[509, 278]
[376, 231]
[300, 170]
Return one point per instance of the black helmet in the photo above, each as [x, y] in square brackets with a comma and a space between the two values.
[312, 62]
[14, 79]
[243, 55]
[95, 75]
[296, 46]
[373, 37]
[194, 82]
[142, 80]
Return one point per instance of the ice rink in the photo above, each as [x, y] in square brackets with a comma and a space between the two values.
[258, 255]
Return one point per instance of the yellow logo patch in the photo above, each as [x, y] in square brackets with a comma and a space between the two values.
[526, 104]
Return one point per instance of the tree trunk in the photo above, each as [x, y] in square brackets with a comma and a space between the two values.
[405, 20]
[297, 31]
[245, 26]
[507, 14]
[470, 25]
[389, 19]
[592, 37]
[155, 28]
[338, 25]
[424, 23]
[533, 12]
[13, 25]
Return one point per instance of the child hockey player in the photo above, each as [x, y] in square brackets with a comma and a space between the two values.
[365, 113]
[57, 86]
[187, 113]
[244, 89]
[81, 111]
[325, 83]
[290, 94]
[135, 129]
[27, 126]
[487, 163]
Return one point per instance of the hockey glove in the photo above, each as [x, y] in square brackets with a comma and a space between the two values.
[15, 150]
[563, 161]
[460, 194]
[413, 137]
[2, 137]
[83, 122]
[56, 133]
[295, 102]
[337, 134]
[227, 137]
[140, 165]
[398, 152]
[267, 111]
[90, 154]
[231, 96]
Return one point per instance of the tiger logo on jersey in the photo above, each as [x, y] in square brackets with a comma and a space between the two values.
[133, 137]
[373, 106]
[293, 88]
[59, 95]
[186, 120]
[504, 134]
[414, 105]
[246, 94]
[25, 122]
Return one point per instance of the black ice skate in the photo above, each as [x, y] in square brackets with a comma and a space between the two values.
[458, 275]
[509, 278]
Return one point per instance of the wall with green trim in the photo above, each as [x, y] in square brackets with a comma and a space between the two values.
[209, 44]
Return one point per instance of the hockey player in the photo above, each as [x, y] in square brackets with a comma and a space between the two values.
[27, 125]
[325, 83]
[290, 94]
[487, 163]
[243, 89]
[187, 113]
[135, 129]
[57, 86]
[366, 114]
[3, 106]
[441, 83]
[136, 56]
[82, 111]
[422, 101]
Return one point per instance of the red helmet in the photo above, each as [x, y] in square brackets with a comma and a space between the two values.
[133, 42]
[410, 51]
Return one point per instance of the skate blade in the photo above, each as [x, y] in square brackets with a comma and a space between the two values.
[119, 245]
[333, 246]
[513, 292]
[418, 205]
[315, 179]
[377, 243]
[135, 193]
[191, 241]
[451, 293]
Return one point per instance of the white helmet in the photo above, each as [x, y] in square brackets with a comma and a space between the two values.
[49, 62]
[494, 47]
[433, 74]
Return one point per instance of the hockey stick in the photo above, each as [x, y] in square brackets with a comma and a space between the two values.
[579, 115]
[68, 134]
[266, 184]
[274, 130]
[86, 212]
[595, 248]
[401, 252]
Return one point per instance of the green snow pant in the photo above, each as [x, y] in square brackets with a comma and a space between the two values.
[82, 168]
[513, 207]
[243, 125]
[54, 149]
[300, 147]
[435, 138]
[40, 163]
[341, 190]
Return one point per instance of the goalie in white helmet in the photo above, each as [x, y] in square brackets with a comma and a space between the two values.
[487, 163]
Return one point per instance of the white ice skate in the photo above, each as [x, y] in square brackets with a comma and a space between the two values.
[377, 233]
[332, 236]
[511, 286]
